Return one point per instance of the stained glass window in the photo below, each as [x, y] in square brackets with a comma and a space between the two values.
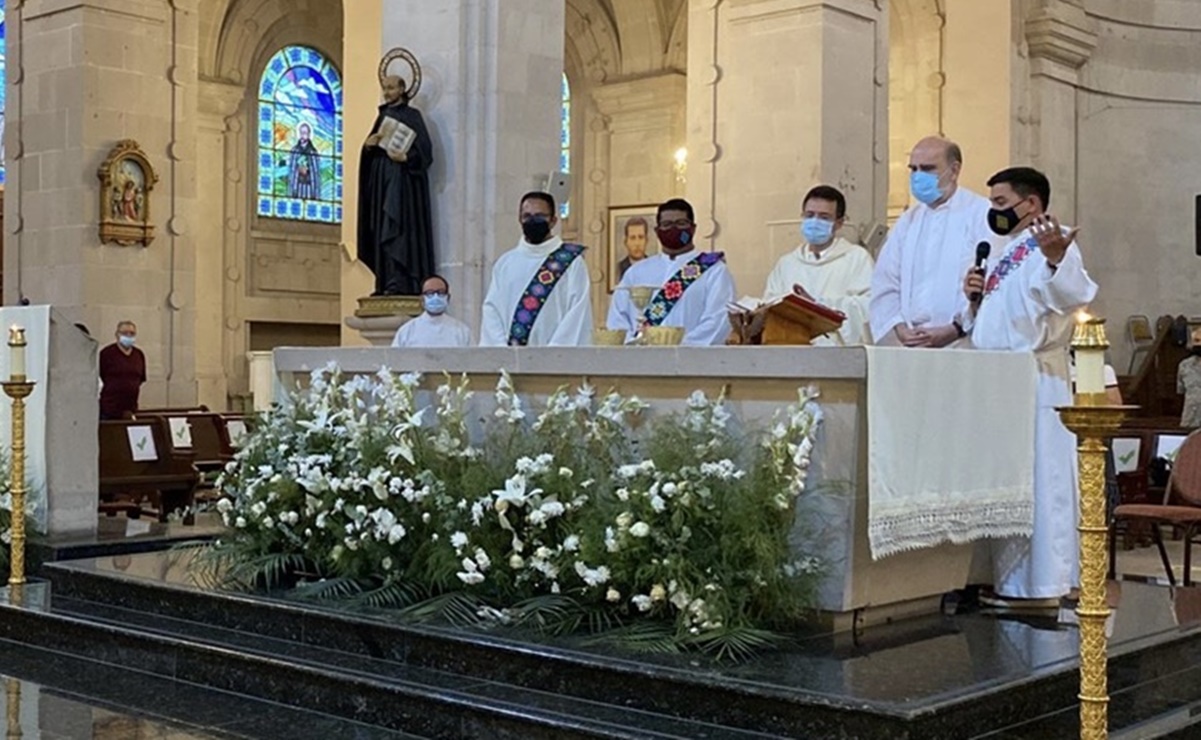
[3, 70]
[300, 137]
[565, 142]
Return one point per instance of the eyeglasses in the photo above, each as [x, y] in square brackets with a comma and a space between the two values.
[430, 293]
[682, 223]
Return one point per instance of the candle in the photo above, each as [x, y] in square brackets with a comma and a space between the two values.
[1090, 345]
[16, 344]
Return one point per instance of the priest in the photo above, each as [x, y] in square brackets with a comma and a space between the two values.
[826, 268]
[694, 288]
[1035, 283]
[540, 294]
[434, 327]
[916, 288]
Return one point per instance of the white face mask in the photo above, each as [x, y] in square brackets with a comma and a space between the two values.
[127, 341]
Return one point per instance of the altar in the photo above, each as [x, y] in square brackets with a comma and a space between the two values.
[900, 433]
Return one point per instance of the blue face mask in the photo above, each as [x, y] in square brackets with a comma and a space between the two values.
[925, 187]
[126, 341]
[817, 231]
[435, 303]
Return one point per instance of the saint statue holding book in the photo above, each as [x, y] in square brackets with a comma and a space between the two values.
[395, 227]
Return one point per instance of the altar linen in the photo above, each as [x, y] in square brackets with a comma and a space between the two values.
[1030, 307]
[919, 276]
[433, 331]
[564, 320]
[934, 475]
[840, 277]
[701, 309]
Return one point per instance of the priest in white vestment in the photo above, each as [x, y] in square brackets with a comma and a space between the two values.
[694, 288]
[917, 285]
[1035, 284]
[434, 327]
[826, 268]
[540, 294]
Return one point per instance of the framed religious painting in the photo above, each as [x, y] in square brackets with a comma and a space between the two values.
[631, 238]
[126, 182]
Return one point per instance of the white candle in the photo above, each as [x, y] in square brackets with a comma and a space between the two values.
[16, 343]
[1090, 370]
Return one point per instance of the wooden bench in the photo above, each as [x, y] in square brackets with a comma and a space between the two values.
[136, 461]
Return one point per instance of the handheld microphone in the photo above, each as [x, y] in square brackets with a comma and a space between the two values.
[982, 250]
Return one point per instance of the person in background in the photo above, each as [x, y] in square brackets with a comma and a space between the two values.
[1188, 383]
[122, 373]
[434, 327]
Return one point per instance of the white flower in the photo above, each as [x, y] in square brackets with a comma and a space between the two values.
[387, 563]
[658, 504]
[240, 522]
[572, 543]
[425, 517]
[225, 505]
[514, 492]
[625, 519]
[592, 576]
[669, 489]
[516, 562]
[458, 540]
[268, 522]
[611, 543]
[482, 558]
[643, 603]
[658, 593]
[566, 473]
[396, 534]
[613, 595]
[471, 578]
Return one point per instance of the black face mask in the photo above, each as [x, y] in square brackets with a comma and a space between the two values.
[1003, 222]
[1195, 350]
[536, 229]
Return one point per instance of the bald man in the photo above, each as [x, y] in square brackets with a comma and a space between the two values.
[917, 286]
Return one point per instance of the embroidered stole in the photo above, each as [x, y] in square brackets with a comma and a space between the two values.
[1009, 263]
[538, 292]
[673, 290]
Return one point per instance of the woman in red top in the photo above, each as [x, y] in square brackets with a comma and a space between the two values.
[122, 371]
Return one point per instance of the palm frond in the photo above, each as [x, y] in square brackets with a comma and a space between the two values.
[458, 608]
[328, 589]
[735, 643]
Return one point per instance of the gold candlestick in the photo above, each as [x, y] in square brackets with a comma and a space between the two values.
[18, 389]
[12, 695]
[1093, 422]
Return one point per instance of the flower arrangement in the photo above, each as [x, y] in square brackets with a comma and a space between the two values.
[665, 533]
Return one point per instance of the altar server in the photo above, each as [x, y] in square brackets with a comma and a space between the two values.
[826, 268]
[434, 327]
[540, 293]
[1035, 284]
[694, 288]
[916, 288]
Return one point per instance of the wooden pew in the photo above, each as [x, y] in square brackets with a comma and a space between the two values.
[136, 459]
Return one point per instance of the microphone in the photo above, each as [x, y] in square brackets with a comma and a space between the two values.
[982, 250]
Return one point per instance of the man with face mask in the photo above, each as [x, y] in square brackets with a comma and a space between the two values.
[122, 373]
[540, 293]
[826, 268]
[695, 287]
[434, 327]
[1035, 283]
[916, 286]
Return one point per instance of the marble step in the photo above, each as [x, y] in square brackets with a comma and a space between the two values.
[371, 692]
[773, 696]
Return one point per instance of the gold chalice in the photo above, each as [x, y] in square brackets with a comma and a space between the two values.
[640, 296]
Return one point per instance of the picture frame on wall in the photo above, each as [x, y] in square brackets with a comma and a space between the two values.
[631, 231]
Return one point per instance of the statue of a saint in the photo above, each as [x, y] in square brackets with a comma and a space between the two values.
[395, 229]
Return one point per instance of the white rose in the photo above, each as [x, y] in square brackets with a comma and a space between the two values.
[516, 562]
[640, 529]
[613, 595]
[240, 522]
[268, 522]
[658, 593]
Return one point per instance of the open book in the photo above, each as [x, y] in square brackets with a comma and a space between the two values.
[395, 137]
[790, 320]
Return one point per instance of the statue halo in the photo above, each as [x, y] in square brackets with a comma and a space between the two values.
[400, 54]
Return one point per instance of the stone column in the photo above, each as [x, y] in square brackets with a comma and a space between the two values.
[1061, 39]
[491, 98]
[86, 74]
[761, 132]
[218, 101]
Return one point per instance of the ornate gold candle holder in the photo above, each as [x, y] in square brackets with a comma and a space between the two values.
[18, 389]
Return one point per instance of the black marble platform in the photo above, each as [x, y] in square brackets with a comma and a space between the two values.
[969, 675]
[121, 535]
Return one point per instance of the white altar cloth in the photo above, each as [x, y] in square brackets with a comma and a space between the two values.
[933, 475]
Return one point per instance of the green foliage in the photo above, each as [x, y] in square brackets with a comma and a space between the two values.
[672, 534]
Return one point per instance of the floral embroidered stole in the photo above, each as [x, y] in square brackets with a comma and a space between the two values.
[673, 290]
[1010, 262]
[537, 293]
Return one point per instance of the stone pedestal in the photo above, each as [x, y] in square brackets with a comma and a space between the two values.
[761, 134]
[491, 96]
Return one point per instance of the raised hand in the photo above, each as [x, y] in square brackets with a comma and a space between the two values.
[1052, 242]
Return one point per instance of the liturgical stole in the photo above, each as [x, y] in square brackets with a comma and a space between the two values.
[673, 290]
[538, 292]
[1009, 263]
